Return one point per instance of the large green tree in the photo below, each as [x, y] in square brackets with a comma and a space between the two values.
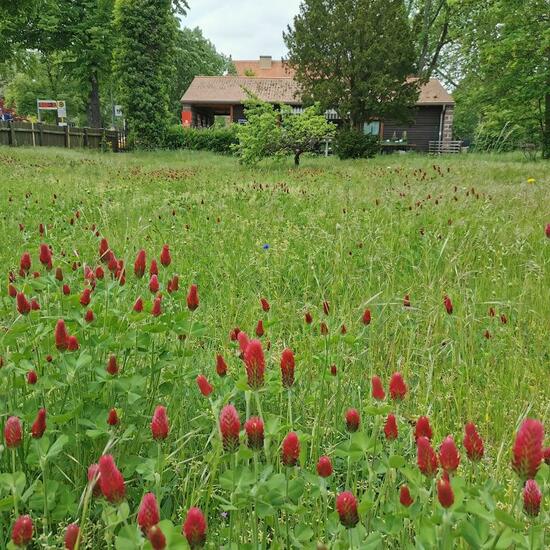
[355, 56]
[143, 65]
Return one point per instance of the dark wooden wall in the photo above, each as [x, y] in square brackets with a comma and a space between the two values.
[424, 129]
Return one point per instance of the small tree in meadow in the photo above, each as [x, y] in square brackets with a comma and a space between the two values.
[278, 132]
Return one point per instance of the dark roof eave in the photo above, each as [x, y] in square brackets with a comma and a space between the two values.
[231, 102]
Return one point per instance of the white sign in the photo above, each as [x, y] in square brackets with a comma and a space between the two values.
[61, 109]
[118, 110]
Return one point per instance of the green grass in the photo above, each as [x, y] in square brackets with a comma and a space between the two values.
[357, 234]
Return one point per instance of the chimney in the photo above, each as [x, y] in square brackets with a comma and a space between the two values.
[265, 62]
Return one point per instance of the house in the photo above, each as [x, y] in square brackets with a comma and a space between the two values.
[272, 81]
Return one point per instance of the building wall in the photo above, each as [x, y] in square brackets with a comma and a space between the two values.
[424, 129]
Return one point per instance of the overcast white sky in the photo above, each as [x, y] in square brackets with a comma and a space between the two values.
[244, 29]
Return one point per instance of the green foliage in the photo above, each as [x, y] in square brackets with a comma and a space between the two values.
[215, 139]
[354, 144]
[146, 31]
[355, 57]
[272, 131]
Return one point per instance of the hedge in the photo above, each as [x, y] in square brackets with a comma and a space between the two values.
[217, 140]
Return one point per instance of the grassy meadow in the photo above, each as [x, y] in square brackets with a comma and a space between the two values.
[358, 235]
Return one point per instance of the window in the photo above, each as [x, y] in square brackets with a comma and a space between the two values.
[371, 128]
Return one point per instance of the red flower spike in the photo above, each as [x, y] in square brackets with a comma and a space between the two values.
[193, 298]
[174, 284]
[423, 428]
[448, 455]
[346, 506]
[93, 477]
[287, 368]
[352, 420]
[61, 335]
[23, 305]
[255, 364]
[243, 340]
[290, 450]
[366, 319]
[546, 455]
[343, 329]
[448, 304]
[378, 392]
[25, 263]
[138, 305]
[532, 498]
[221, 366]
[32, 377]
[89, 317]
[260, 329]
[59, 274]
[66, 290]
[390, 428]
[22, 531]
[308, 318]
[165, 258]
[333, 370]
[148, 514]
[45, 256]
[547, 230]
[71, 536]
[112, 366]
[13, 432]
[159, 424]
[473, 442]
[35, 306]
[230, 426]
[154, 284]
[426, 457]
[112, 418]
[156, 309]
[234, 334]
[12, 291]
[140, 264]
[111, 481]
[445, 493]
[99, 272]
[405, 496]
[324, 466]
[72, 343]
[194, 528]
[265, 304]
[406, 301]
[254, 428]
[527, 451]
[326, 307]
[156, 538]
[103, 250]
[41, 229]
[204, 387]
[398, 388]
[324, 329]
[85, 297]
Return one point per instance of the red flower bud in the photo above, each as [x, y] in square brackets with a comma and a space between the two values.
[503, 319]
[156, 538]
[138, 305]
[405, 496]
[194, 528]
[66, 290]
[221, 367]
[13, 432]
[366, 317]
[407, 301]
[204, 387]
[93, 478]
[254, 428]
[154, 284]
[527, 450]
[309, 318]
[445, 493]
[39, 425]
[85, 297]
[352, 420]
[230, 426]
[346, 506]
[390, 427]
[426, 457]
[61, 335]
[112, 418]
[72, 343]
[473, 442]
[378, 392]
[22, 531]
[532, 498]
[234, 334]
[243, 340]
[159, 424]
[156, 310]
[423, 428]
[324, 329]
[324, 466]
[398, 388]
[448, 304]
[492, 312]
[45, 256]
[165, 258]
[260, 329]
[255, 364]
[148, 514]
[265, 304]
[333, 370]
[140, 264]
[448, 455]
[71, 536]
[153, 269]
[326, 307]
[111, 481]
[290, 450]
[193, 298]
[89, 317]
[59, 274]
[12, 291]
[23, 305]
[32, 377]
[547, 230]
[35, 306]
[103, 250]
[287, 368]
[25, 263]
[99, 272]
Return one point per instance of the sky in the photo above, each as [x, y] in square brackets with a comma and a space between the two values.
[244, 29]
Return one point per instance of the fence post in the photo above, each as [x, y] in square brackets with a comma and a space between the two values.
[12, 140]
[67, 138]
[85, 144]
[41, 134]
[33, 136]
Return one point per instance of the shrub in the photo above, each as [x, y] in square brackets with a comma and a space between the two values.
[353, 144]
[217, 140]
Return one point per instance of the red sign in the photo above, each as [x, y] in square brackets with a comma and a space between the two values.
[47, 105]
[186, 118]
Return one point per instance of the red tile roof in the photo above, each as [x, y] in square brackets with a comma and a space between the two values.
[278, 69]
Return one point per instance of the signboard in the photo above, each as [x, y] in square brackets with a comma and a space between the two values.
[61, 109]
[118, 110]
[47, 104]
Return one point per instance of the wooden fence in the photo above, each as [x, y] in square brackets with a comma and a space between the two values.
[439, 147]
[48, 135]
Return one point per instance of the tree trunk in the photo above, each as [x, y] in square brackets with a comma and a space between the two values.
[546, 131]
[94, 106]
[297, 154]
